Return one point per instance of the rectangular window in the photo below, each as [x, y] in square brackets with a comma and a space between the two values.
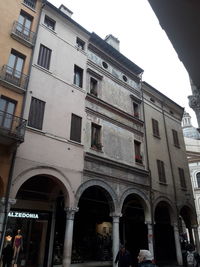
[75, 134]
[175, 138]
[161, 171]
[24, 24]
[93, 86]
[96, 137]
[182, 177]
[36, 113]
[7, 110]
[135, 110]
[78, 76]
[138, 156]
[155, 128]
[30, 3]
[50, 23]
[80, 43]
[44, 57]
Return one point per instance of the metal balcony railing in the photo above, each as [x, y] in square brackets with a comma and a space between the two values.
[30, 3]
[12, 126]
[23, 33]
[14, 77]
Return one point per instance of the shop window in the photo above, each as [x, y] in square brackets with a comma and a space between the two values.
[80, 43]
[44, 57]
[36, 113]
[49, 22]
[198, 179]
[155, 127]
[175, 138]
[135, 110]
[78, 76]
[138, 156]
[93, 86]
[182, 177]
[161, 171]
[96, 137]
[75, 134]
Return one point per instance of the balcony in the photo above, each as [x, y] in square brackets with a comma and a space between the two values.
[22, 34]
[30, 3]
[12, 128]
[13, 79]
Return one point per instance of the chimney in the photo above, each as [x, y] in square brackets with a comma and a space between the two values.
[65, 10]
[113, 41]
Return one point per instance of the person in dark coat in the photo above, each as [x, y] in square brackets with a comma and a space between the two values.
[7, 254]
[145, 259]
[123, 257]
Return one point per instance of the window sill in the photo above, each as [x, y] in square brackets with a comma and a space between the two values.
[183, 188]
[95, 149]
[46, 27]
[163, 183]
[35, 130]
[177, 146]
[140, 164]
[42, 69]
[157, 136]
[75, 143]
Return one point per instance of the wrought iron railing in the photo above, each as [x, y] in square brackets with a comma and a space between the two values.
[24, 33]
[14, 77]
[30, 3]
[12, 126]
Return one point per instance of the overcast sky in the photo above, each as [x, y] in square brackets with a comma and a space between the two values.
[142, 40]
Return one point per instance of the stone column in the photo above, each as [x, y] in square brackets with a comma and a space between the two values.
[178, 245]
[150, 237]
[194, 102]
[2, 215]
[70, 212]
[115, 236]
[196, 236]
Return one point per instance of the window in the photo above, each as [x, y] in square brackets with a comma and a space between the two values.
[93, 86]
[50, 23]
[155, 127]
[24, 24]
[75, 134]
[105, 65]
[44, 57]
[80, 43]
[175, 137]
[7, 110]
[182, 177]
[36, 113]
[78, 76]
[161, 171]
[30, 3]
[135, 110]
[138, 156]
[198, 179]
[96, 137]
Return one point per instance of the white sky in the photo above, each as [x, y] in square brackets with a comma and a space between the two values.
[142, 40]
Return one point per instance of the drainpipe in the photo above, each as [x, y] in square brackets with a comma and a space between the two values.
[6, 204]
[150, 177]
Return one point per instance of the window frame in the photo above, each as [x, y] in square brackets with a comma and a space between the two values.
[198, 178]
[155, 128]
[75, 135]
[161, 171]
[96, 141]
[44, 59]
[49, 19]
[35, 112]
[80, 44]
[175, 138]
[78, 72]
[137, 149]
[182, 178]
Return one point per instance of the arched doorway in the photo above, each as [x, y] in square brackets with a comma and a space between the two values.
[185, 225]
[92, 238]
[165, 250]
[39, 214]
[133, 231]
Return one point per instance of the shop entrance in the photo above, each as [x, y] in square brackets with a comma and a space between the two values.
[92, 238]
[133, 231]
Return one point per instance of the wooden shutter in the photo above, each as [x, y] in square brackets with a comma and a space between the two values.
[155, 128]
[75, 134]
[161, 171]
[182, 177]
[36, 113]
[44, 57]
[175, 137]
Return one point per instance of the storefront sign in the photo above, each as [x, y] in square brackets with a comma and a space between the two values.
[23, 215]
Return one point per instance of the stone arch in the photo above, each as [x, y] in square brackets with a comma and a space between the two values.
[110, 194]
[47, 171]
[144, 201]
[172, 208]
[190, 211]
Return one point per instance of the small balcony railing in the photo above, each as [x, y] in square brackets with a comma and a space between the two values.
[14, 77]
[30, 3]
[23, 33]
[12, 126]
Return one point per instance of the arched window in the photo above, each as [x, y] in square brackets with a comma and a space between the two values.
[198, 179]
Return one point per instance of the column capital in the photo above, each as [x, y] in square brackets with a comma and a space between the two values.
[11, 201]
[194, 226]
[70, 212]
[115, 216]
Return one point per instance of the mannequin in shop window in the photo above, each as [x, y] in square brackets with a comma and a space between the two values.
[17, 245]
[7, 251]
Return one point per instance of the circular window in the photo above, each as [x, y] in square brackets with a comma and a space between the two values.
[105, 65]
[124, 78]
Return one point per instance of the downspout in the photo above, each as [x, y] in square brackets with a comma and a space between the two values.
[150, 177]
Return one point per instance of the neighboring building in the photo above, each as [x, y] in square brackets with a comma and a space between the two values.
[103, 157]
[192, 143]
[19, 21]
[180, 20]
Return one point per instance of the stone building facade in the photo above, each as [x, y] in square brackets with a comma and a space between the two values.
[96, 168]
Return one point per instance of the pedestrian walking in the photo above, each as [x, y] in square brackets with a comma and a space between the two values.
[145, 259]
[123, 257]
